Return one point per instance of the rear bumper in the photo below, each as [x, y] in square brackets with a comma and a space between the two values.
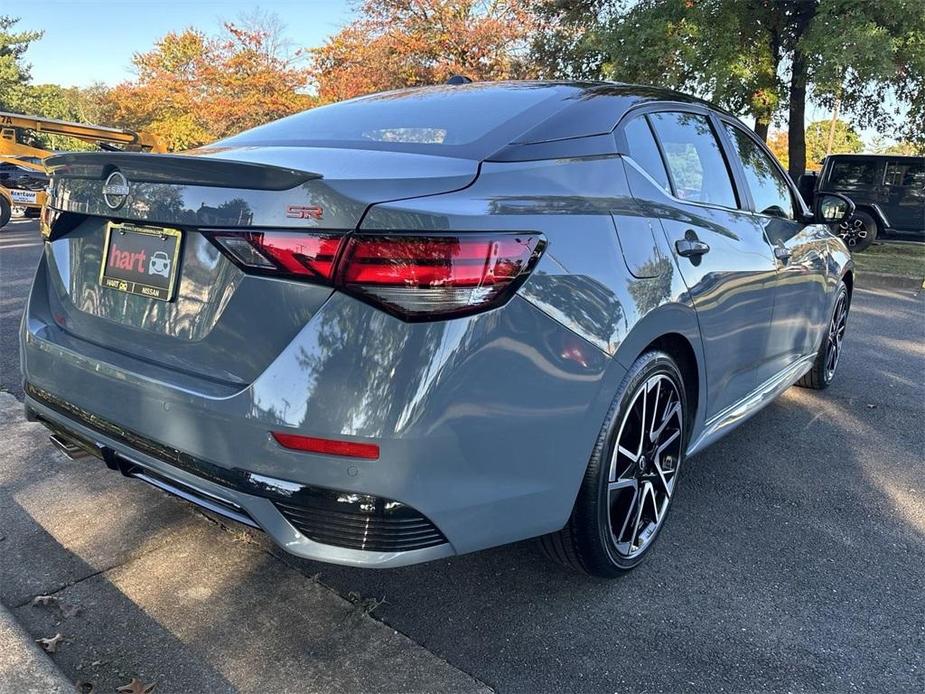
[274, 506]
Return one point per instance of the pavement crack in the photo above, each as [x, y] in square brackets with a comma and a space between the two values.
[94, 574]
[69, 584]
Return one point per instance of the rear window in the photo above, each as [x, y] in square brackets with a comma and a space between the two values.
[644, 151]
[905, 173]
[470, 121]
[855, 172]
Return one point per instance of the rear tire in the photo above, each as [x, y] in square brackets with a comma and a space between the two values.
[821, 375]
[5, 212]
[858, 231]
[632, 476]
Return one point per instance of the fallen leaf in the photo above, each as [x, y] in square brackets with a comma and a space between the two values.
[136, 686]
[68, 611]
[50, 645]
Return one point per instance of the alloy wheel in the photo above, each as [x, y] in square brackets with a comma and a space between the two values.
[835, 336]
[644, 465]
[853, 231]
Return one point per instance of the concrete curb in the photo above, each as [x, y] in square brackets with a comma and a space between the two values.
[23, 666]
[883, 280]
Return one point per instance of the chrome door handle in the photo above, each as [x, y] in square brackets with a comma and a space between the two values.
[691, 248]
[782, 253]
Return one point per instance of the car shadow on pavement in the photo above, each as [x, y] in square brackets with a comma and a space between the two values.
[108, 638]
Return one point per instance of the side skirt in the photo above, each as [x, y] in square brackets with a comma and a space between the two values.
[722, 423]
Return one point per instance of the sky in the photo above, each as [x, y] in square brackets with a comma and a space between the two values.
[89, 41]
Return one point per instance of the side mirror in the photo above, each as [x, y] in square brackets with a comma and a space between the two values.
[832, 208]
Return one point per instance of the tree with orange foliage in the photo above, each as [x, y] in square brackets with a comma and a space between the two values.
[192, 89]
[402, 43]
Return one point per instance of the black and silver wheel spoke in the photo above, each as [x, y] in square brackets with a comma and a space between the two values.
[852, 231]
[645, 464]
[835, 337]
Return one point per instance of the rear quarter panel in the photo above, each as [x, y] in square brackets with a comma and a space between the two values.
[606, 273]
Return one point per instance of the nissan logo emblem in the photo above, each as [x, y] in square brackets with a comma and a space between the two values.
[115, 190]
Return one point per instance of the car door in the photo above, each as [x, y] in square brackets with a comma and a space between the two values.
[726, 263]
[905, 183]
[860, 178]
[799, 251]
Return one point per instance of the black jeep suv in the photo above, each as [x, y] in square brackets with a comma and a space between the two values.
[889, 191]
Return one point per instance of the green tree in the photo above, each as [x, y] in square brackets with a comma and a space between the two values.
[758, 57]
[820, 135]
[882, 145]
[49, 101]
[844, 140]
[727, 50]
[865, 55]
[14, 71]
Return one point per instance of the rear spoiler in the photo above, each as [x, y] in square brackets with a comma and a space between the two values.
[178, 169]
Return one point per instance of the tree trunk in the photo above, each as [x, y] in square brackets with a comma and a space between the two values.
[831, 140]
[762, 123]
[796, 132]
[799, 73]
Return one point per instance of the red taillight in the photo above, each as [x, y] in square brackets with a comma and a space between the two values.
[282, 252]
[430, 276]
[310, 444]
[415, 276]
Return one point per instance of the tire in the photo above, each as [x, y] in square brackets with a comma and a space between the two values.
[822, 373]
[5, 212]
[607, 534]
[858, 231]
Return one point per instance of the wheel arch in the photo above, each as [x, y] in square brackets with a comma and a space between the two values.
[673, 329]
[679, 348]
[848, 279]
[874, 211]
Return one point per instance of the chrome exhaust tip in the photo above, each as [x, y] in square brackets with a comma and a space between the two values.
[71, 449]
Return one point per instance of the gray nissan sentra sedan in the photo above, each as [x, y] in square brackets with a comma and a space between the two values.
[436, 320]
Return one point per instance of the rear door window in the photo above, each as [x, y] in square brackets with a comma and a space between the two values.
[644, 151]
[767, 184]
[855, 172]
[695, 161]
[905, 173]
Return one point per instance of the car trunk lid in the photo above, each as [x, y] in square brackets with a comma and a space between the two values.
[222, 324]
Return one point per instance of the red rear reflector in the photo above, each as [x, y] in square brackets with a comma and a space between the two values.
[310, 444]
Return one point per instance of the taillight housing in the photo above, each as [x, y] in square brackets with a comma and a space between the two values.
[281, 253]
[415, 276]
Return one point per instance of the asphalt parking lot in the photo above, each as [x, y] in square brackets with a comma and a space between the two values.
[794, 561]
